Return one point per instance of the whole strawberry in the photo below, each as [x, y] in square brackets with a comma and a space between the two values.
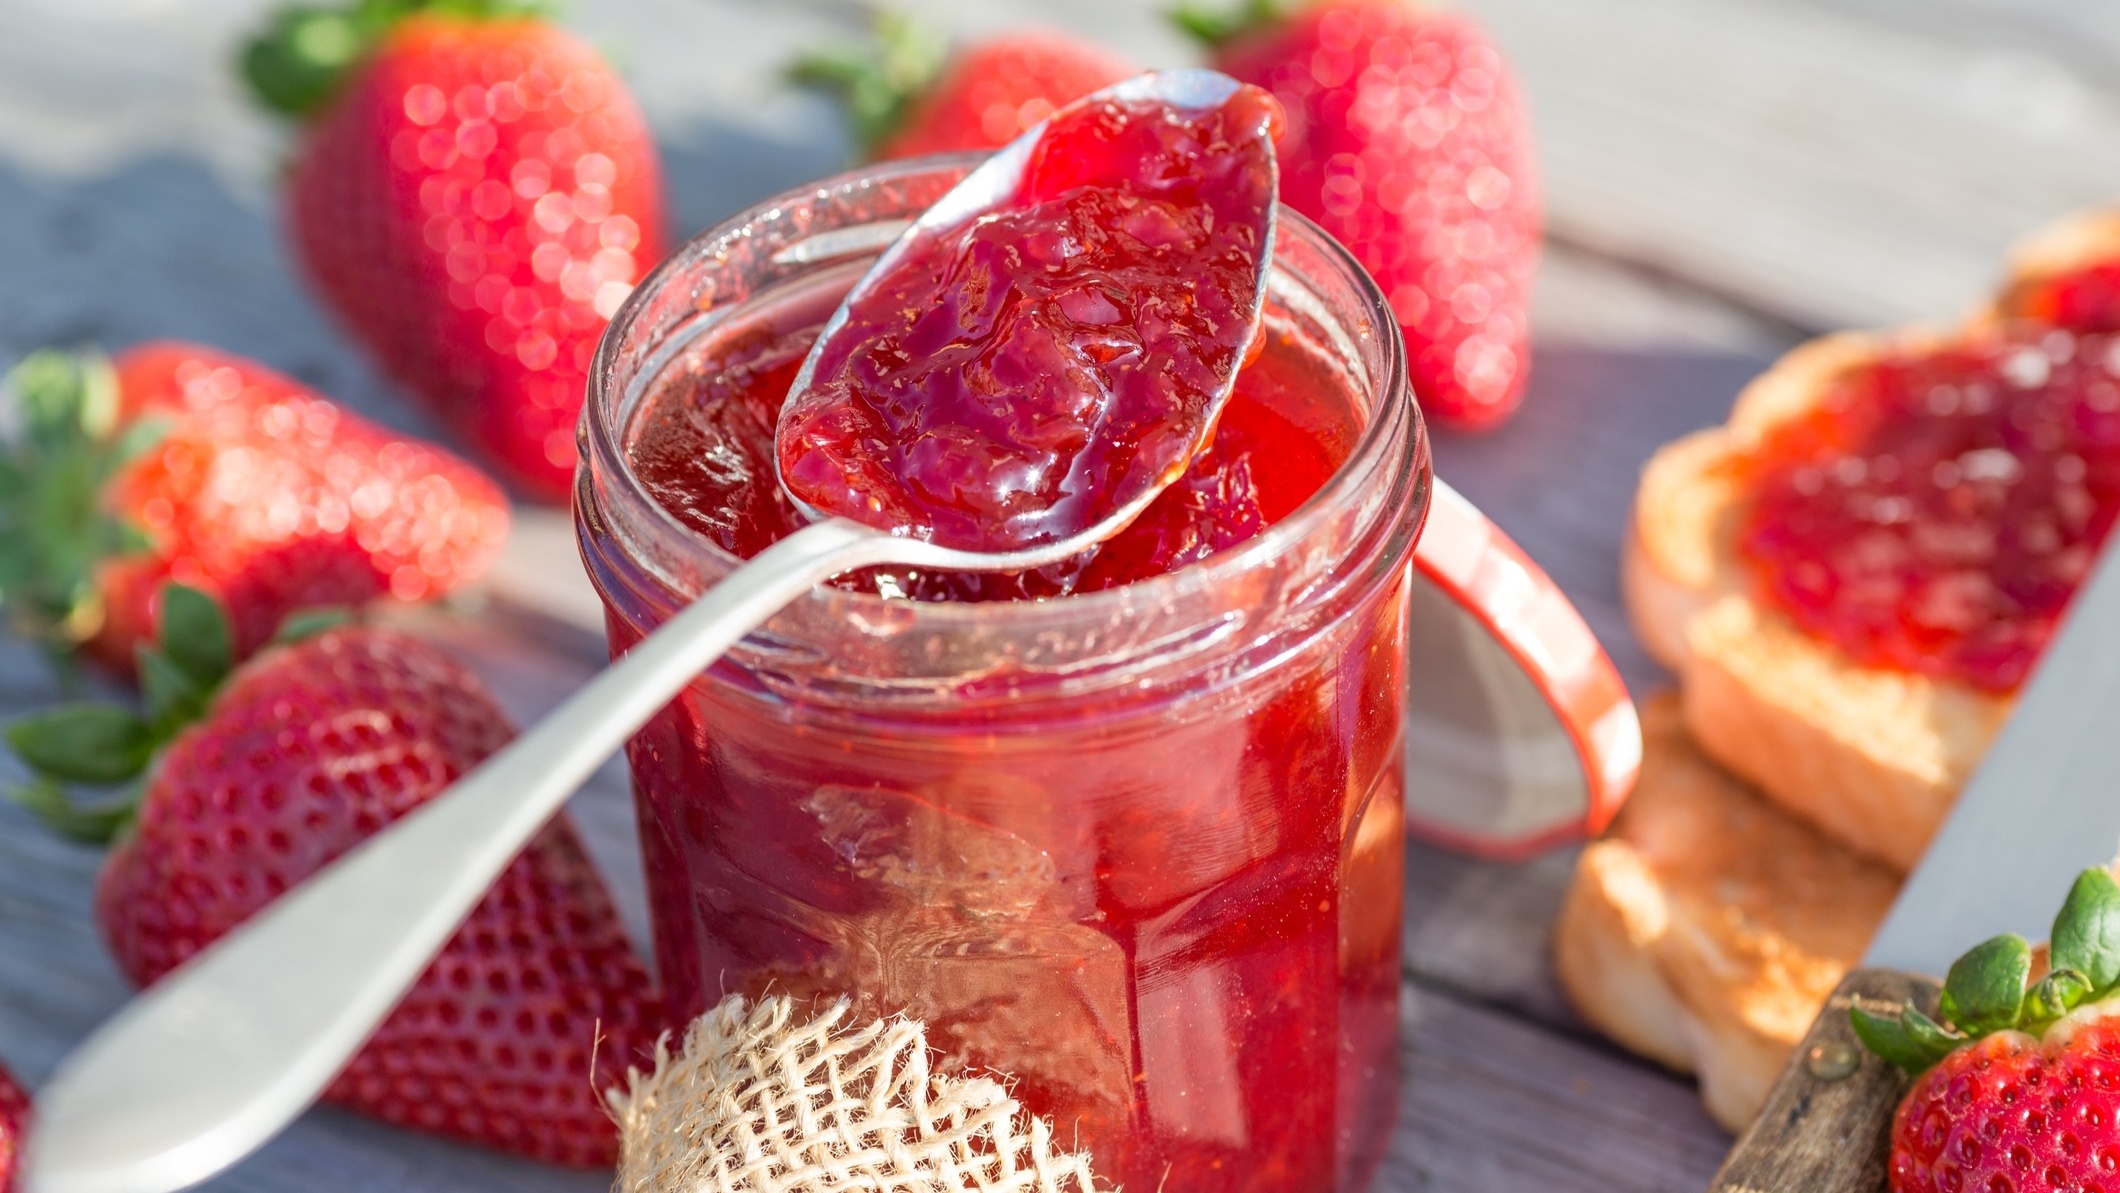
[14, 1116]
[475, 194]
[308, 749]
[181, 463]
[2018, 1084]
[1408, 141]
[906, 96]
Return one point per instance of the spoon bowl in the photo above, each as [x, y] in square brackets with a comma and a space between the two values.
[990, 187]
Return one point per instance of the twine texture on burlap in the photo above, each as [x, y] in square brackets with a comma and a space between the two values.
[758, 1102]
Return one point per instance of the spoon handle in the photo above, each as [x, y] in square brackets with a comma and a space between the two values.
[216, 1058]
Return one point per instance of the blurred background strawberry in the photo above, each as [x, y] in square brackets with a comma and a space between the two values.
[177, 462]
[475, 193]
[1407, 140]
[906, 93]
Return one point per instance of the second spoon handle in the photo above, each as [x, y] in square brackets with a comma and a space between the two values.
[216, 1058]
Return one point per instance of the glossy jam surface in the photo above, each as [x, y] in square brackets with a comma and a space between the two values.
[704, 450]
[1019, 375]
[1938, 510]
[1169, 913]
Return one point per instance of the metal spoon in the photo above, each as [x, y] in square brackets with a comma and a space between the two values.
[219, 1056]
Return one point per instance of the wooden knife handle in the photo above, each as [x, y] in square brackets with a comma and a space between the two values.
[1827, 1124]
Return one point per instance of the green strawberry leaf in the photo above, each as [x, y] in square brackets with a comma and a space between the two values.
[56, 459]
[1216, 27]
[103, 745]
[95, 824]
[174, 697]
[304, 624]
[136, 437]
[1891, 1040]
[1985, 989]
[195, 635]
[1929, 1035]
[83, 743]
[306, 52]
[2086, 935]
[2053, 996]
[298, 63]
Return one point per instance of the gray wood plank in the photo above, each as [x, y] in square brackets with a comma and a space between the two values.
[1492, 1104]
[1821, 163]
[2083, 35]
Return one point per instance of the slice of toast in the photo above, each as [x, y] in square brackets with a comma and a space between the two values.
[1707, 927]
[1873, 756]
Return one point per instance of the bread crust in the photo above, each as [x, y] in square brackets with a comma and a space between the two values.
[2066, 245]
[1707, 928]
[1872, 755]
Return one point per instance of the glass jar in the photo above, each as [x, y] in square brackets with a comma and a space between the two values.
[1138, 850]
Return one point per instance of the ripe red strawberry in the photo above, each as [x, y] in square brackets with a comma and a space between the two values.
[906, 98]
[1408, 141]
[183, 463]
[2018, 1084]
[475, 195]
[305, 751]
[14, 1116]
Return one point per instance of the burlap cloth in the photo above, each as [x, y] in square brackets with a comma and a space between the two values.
[758, 1102]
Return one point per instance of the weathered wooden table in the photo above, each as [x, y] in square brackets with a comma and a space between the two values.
[1724, 177]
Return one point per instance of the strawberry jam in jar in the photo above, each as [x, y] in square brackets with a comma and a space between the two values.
[1126, 830]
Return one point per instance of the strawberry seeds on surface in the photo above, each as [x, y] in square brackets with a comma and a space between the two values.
[2036, 1114]
[1019, 376]
[1409, 142]
[475, 197]
[311, 748]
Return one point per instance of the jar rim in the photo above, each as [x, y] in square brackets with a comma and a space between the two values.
[603, 430]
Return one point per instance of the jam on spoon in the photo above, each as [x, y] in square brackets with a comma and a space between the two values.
[1019, 374]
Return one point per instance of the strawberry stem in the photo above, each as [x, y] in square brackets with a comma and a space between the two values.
[876, 82]
[1990, 988]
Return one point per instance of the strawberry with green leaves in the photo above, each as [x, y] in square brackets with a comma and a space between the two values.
[2017, 1082]
[235, 785]
[181, 463]
[475, 192]
[907, 95]
[1407, 140]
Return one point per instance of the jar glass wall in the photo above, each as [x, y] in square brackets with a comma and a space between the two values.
[1139, 850]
